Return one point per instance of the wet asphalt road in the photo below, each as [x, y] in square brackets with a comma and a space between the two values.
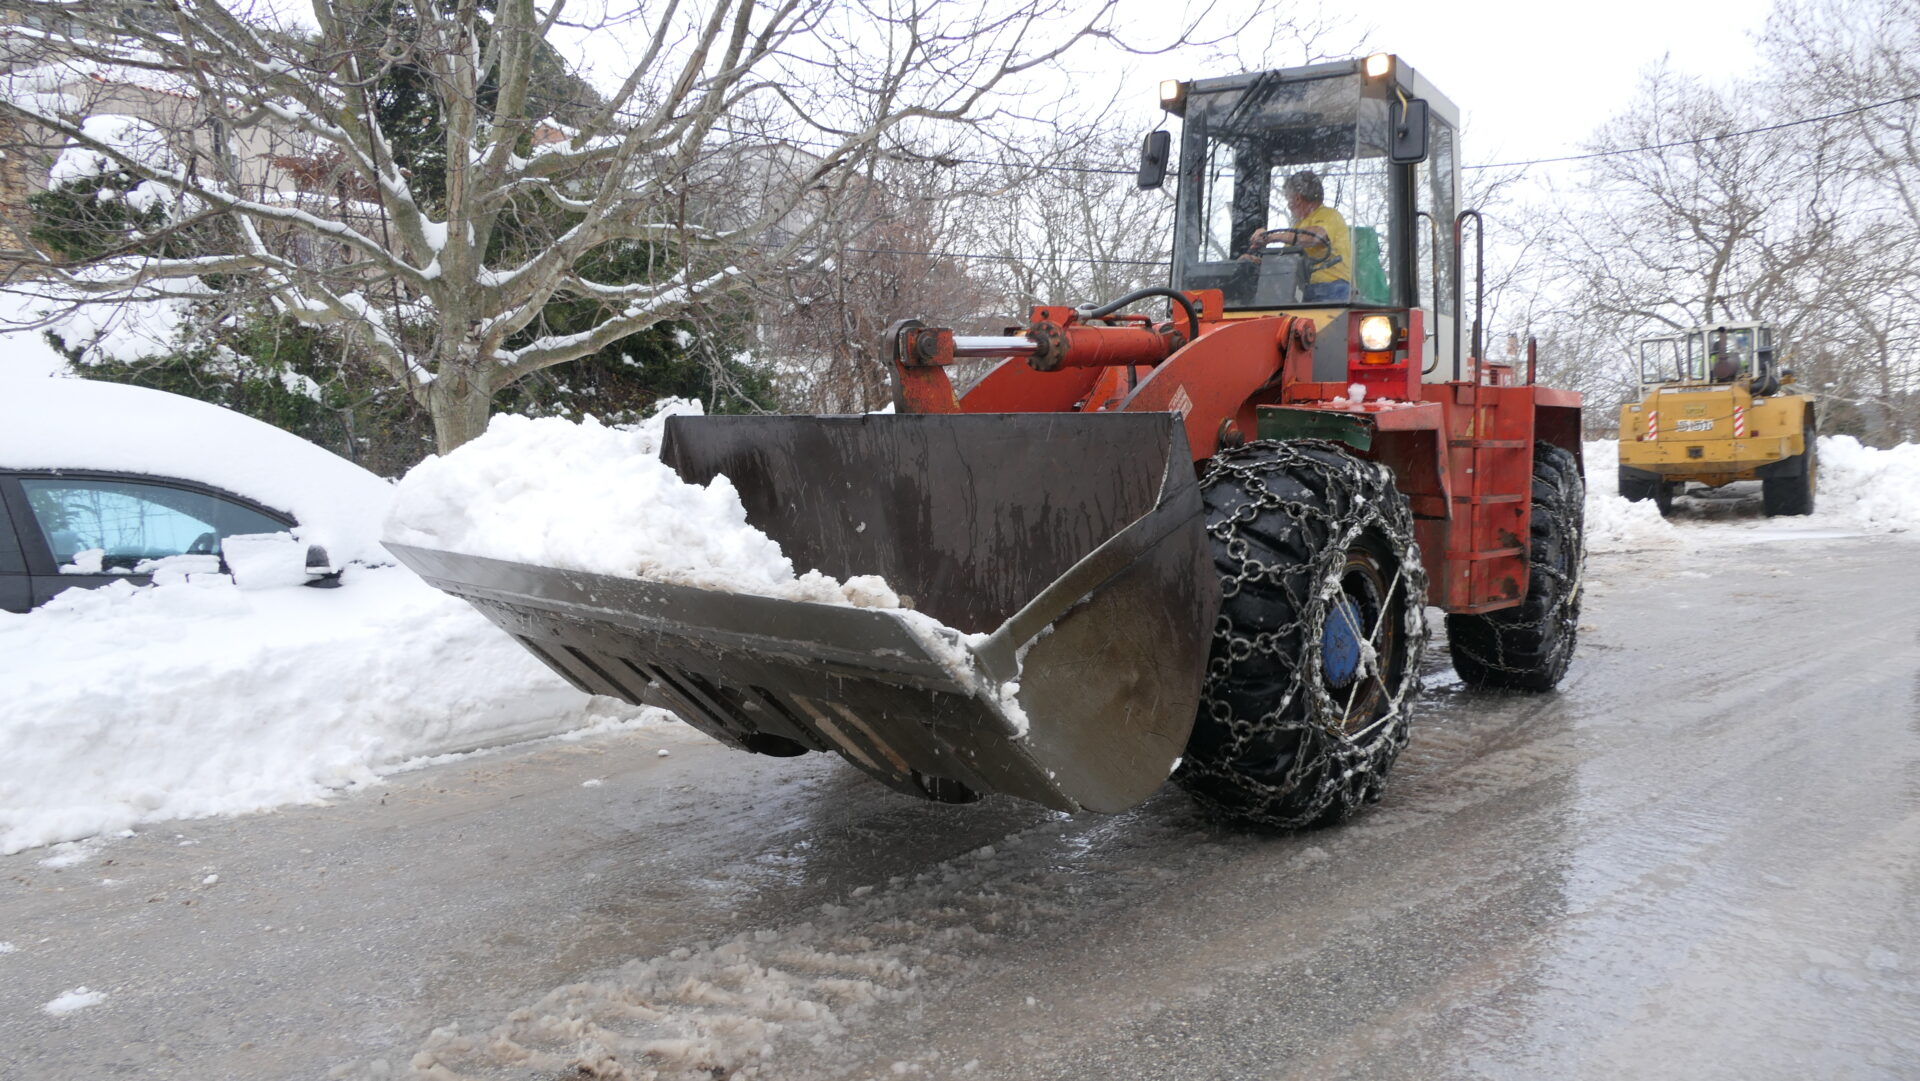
[1700, 859]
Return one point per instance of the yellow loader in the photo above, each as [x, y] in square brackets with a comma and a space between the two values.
[1716, 407]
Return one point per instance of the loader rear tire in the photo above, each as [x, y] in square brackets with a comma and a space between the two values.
[1793, 495]
[1663, 493]
[1315, 661]
[1528, 647]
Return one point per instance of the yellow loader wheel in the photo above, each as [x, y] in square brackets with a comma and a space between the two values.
[1663, 493]
[1793, 494]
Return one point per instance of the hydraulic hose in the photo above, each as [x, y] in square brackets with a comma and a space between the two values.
[1193, 314]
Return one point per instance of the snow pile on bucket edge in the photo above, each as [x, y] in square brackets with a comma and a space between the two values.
[590, 497]
[129, 705]
[594, 498]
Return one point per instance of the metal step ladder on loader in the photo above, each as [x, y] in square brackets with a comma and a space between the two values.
[1180, 547]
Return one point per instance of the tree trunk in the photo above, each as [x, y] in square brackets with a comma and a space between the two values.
[459, 404]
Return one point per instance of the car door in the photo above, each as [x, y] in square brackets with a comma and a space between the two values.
[16, 591]
[88, 529]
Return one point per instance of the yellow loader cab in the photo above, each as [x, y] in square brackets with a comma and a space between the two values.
[1716, 407]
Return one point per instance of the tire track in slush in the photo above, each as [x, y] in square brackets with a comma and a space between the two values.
[740, 1008]
[799, 1000]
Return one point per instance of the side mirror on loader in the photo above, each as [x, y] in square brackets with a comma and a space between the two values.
[1410, 128]
[1154, 151]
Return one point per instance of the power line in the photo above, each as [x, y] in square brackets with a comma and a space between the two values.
[1497, 165]
[1703, 139]
[1782, 126]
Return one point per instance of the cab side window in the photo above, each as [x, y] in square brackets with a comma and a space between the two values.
[113, 526]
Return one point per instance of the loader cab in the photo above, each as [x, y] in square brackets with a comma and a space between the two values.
[1358, 130]
[1725, 354]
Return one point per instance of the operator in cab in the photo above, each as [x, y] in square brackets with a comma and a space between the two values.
[1724, 358]
[1321, 232]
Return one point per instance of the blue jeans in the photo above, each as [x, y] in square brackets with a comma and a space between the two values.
[1327, 293]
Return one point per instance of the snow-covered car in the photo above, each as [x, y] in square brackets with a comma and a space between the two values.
[103, 482]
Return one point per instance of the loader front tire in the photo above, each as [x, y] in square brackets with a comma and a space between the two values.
[1315, 662]
[1527, 648]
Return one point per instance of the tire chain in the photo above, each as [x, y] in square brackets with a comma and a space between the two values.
[1567, 505]
[1346, 769]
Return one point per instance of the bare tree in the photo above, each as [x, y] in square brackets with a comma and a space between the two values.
[1792, 197]
[1063, 223]
[825, 324]
[1852, 272]
[732, 145]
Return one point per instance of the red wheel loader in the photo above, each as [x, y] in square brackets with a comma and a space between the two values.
[1199, 547]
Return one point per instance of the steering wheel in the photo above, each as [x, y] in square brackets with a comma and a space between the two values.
[205, 544]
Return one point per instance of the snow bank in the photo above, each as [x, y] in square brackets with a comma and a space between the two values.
[1613, 524]
[129, 705]
[1861, 489]
[88, 424]
[592, 498]
[1875, 490]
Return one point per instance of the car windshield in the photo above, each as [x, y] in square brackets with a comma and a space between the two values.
[1240, 149]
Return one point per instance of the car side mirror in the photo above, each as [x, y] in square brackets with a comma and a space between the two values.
[1154, 152]
[1410, 124]
[321, 573]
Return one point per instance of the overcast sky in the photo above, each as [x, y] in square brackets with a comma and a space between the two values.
[1534, 79]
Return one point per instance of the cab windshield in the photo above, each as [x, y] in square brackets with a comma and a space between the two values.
[1707, 355]
[1241, 147]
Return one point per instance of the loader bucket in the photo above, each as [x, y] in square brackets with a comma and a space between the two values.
[1073, 543]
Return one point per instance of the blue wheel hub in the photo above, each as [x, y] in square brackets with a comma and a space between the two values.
[1340, 643]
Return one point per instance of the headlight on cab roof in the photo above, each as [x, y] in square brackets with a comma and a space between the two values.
[1376, 333]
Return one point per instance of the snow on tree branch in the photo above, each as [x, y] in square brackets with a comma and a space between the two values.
[432, 175]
